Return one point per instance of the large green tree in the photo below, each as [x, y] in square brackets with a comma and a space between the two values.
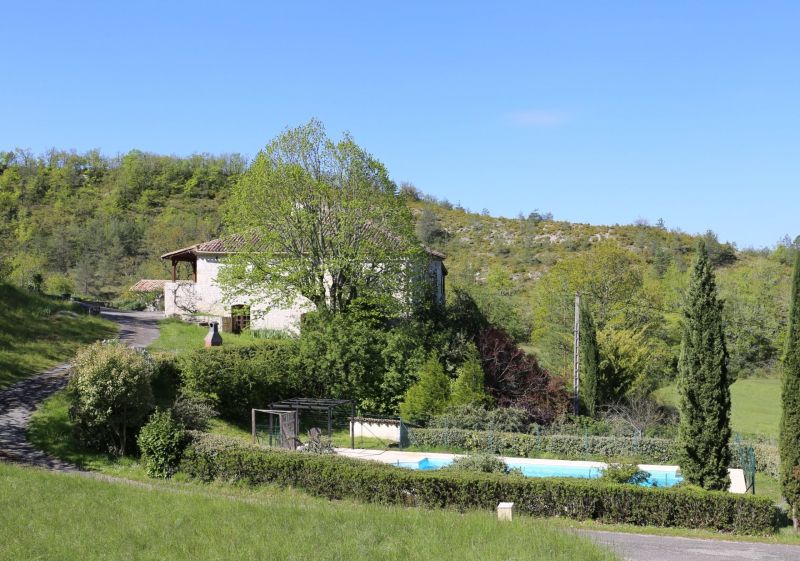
[703, 382]
[790, 420]
[322, 220]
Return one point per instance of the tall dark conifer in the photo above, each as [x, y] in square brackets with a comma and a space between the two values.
[590, 361]
[704, 384]
[790, 395]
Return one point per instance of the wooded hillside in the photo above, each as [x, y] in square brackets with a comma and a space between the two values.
[92, 225]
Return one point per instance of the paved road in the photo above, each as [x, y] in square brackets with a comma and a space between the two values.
[18, 402]
[640, 547]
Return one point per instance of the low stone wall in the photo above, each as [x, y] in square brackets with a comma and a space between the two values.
[392, 430]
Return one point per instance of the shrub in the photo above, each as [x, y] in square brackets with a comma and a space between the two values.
[468, 388]
[481, 463]
[658, 450]
[161, 443]
[341, 355]
[193, 411]
[241, 378]
[582, 425]
[335, 477]
[403, 355]
[319, 445]
[514, 378]
[478, 417]
[166, 378]
[110, 395]
[429, 395]
[625, 473]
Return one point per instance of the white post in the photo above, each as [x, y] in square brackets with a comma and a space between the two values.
[505, 511]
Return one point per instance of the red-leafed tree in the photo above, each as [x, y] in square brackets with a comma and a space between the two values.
[515, 379]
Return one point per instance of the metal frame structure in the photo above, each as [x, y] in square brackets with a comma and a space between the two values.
[284, 439]
[298, 404]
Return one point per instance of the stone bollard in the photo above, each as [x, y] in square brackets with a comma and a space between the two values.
[505, 511]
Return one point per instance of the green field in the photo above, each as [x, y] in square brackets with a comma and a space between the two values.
[37, 332]
[54, 516]
[177, 336]
[756, 405]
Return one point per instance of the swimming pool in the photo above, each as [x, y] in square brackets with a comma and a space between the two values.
[658, 478]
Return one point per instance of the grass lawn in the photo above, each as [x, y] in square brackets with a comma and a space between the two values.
[55, 516]
[176, 336]
[51, 430]
[756, 405]
[37, 332]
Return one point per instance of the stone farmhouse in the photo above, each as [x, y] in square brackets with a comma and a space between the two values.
[202, 295]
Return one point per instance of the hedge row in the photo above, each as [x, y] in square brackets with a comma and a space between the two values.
[240, 378]
[217, 458]
[656, 450]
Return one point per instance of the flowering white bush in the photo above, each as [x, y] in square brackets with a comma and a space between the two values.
[110, 394]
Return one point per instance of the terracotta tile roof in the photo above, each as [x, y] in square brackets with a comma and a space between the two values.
[148, 285]
[234, 243]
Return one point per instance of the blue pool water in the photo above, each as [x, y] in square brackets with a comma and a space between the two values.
[660, 478]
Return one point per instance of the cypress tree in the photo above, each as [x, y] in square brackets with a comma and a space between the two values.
[703, 383]
[590, 361]
[790, 396]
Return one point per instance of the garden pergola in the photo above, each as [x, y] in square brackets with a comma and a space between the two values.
[298, 404]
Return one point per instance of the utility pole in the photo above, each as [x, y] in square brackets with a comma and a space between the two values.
[576, 355]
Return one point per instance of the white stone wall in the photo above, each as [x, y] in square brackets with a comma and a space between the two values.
[186, 298]
[205, 298]
[388, 429]
[179, 298]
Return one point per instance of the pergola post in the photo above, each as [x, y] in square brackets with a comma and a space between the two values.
[352, 425]
[174, 270]
[194, 271]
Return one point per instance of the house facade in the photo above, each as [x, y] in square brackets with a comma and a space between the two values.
[202, 295]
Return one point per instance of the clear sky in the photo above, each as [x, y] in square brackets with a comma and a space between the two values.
[598, 111]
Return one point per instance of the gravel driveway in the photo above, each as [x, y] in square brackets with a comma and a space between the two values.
[18, 402]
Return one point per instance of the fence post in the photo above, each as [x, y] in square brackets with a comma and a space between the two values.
[253, 424]
[352, 425]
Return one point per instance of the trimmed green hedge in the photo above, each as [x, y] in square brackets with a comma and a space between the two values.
[646, 449]
[240, 378]
[217, 458]
[659, 450]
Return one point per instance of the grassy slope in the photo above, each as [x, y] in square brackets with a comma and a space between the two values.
[756, 405]
[177, 336]
[51, 430]
[37, 332]
[67, 517]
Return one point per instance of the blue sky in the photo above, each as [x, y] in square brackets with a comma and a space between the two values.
[598, 111]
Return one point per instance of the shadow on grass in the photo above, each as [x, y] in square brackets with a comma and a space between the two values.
[37, 332]
[51, 431]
